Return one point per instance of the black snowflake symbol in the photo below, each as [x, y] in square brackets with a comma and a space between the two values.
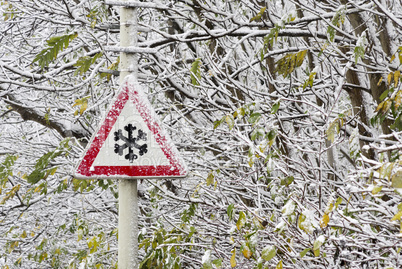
[130, 142]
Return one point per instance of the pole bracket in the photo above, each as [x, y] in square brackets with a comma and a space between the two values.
[131, 49]
[135, 4]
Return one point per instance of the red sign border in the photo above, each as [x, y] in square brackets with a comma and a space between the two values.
[177, 167]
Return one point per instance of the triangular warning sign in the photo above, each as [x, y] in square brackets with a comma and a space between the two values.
[130, 142]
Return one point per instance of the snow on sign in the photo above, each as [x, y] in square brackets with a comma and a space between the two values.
[130, 142]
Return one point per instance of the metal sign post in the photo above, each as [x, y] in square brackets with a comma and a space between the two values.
[128, 224]
[128, 200]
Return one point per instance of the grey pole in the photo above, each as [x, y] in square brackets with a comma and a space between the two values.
[128, 224]
[128, 200]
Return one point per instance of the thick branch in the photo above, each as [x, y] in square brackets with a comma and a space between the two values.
[64, 127]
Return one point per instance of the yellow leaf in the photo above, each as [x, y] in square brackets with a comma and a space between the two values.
[392, 58]
[11, 193]
[397, 74]
[387, 106]
[397, 180]
[379, 107]
[83, 102]
[376, 189]
[83, 107]
[78, 102]
[398, 99]
[325, 220]
[400, 54]
[279, 265]
[259, 15]
[397, 216]
[233, 259]
[334, 129]
[24, 234]
[247, 252]
[18, 262]
[389, 78]
[210, 178]
[241, 221]
[53, 171]
[329, 209]
[379, 81]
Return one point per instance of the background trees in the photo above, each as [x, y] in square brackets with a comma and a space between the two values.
[287, 113]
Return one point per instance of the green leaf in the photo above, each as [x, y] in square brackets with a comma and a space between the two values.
[6, 168]
[85, 62]
[338, 202]
[331, 33]
[217, 263]
[359, 53]
[230, 211]
[210, 178]
[42, 166]
[304, 252]
[337, 20]
[317, 245]
[287, 181]
[40, 171]
[257, 133]
[397, 125]
[188, 213]
[269, 40]
[400, 207]
[55, 45]
[268, 252]
[195, 72]
[271, 135]
[275, 107]
[384, 95]
[218, 122]
[254, 117]
[230, 121]
[192, 231]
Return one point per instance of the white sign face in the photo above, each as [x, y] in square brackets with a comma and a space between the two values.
[130, 142]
